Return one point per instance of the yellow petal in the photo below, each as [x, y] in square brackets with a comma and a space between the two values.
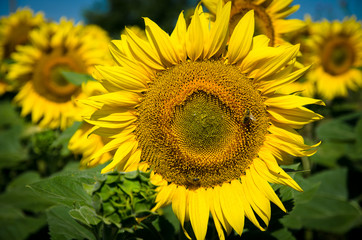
[217, 208]
[164, 196]
[265, 188]
[264, 62]
[117, 99]
[257, 200]
[194, 36]
[215, 44]
[217, 222]
[199, 212]
[241, 39]
[178, 37]
[289, 25]
[142, 51]
[232, 207]
[273, 84]
[122, 154]
[296, 117]
[291, 101]
[123, 78]
[161, 42]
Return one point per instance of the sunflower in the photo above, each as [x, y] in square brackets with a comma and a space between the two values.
[337, 55]
[14, 31]
[200, 110]
[56, 47]
[269, 17]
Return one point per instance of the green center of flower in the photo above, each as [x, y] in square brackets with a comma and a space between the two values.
[338, 55]
[201, 124]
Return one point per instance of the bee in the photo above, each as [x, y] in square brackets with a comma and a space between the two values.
[193, 181]
[248, 117]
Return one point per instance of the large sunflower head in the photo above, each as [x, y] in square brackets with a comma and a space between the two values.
[200, 110]
[56, 47]
[337, 54]
[269, 17]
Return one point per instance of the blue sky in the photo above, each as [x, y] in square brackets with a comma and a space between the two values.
[330, 9]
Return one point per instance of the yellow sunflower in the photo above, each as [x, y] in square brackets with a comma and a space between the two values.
[337, 55]
[204, 117]
[269, 17]
[14, 31]
[56, 47]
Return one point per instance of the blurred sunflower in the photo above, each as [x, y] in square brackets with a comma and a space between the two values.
[14, 31]
[269, 17]
[337, 55]
[204, 117]
[56, 47]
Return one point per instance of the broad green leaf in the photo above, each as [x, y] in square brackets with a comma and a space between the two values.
[63, 189]
[333, 183]
[328, 208]
[19, 196]
[325, 214]
[283, 234]
[63, 227]
[15, 225]
[85, 215]
[336, 130]
[76, 78]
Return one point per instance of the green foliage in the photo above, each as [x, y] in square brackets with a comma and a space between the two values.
[11, 130]
[76, 78]
[63, 227]
[324, 205]
[341, 137]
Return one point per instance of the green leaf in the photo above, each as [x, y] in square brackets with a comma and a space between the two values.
[19, 196]
[66, 189]
[328, 153]
[11, 129]
[328, 208]
[85, 215]
[335, 130]
[76, 78]
[333, 183]
[63, 227]
[283, 234]
[16, 225]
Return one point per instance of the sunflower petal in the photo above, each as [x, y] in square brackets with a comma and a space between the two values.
[215, 44]
[199, 212]
[194, 37]
[241, 39]
[161, 42]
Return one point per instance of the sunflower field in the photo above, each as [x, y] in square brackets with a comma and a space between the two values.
[228, 119]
